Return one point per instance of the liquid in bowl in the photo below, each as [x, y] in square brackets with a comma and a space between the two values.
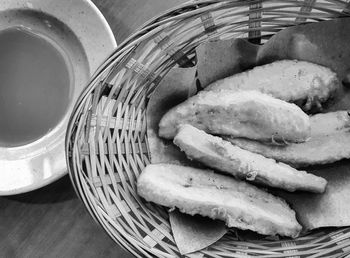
[35, 86]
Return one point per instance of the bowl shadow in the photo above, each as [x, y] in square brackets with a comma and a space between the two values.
[59, 191]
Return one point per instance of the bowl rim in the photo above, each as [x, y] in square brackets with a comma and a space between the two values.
[17, 176]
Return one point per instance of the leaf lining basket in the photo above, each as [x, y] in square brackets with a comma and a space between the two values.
[106, 141]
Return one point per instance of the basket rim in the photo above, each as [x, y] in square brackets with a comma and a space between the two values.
[91, 86]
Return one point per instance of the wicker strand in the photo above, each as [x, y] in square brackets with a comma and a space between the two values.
[107, 145]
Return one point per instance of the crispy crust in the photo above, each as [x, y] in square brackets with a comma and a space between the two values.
[197, 191]
[222, 155]
[329, 123]
[293, 81]
[247, 114]
[316, 151]
[329, 142]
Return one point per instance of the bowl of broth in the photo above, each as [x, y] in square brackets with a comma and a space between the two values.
[49, 50]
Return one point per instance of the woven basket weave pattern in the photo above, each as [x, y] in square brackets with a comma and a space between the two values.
[107, 144]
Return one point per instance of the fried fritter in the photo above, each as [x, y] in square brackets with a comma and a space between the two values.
[249, 114]
[329, 142]
[329, 123]
[198, 191]
[300, 82]
[223, 156]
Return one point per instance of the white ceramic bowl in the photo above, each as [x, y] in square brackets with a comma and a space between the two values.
[79, 28]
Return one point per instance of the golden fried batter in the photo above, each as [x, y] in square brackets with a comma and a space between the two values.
[198, 191]
[249, 114]
[329, 142]
[222, 155]
[295, 81]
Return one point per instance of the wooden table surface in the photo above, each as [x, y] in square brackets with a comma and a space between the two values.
[52, 221]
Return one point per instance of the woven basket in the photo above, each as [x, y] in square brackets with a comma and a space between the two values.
[107, 144]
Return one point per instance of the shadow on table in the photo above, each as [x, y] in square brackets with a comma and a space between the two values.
[59, 191]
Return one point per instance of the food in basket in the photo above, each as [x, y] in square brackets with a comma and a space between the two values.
[303, 83]
[219, 154]
[173, 89]
[199, 191]
[316, 151]
[329, 142]
[313, 210]
[323, 124]
[323, 43]
[249, 114]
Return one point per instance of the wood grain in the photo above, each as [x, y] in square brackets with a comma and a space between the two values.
[52, 221]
